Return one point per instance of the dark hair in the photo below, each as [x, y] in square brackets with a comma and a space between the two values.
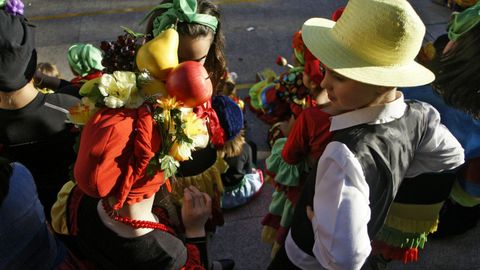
[457, 73]
[5, 174]
[215, 61]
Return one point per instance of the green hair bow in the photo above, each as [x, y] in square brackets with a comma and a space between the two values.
[464, 21]
[182, 11]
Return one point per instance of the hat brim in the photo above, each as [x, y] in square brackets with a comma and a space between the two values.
[317, 36]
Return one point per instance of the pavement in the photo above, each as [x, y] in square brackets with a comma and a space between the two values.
[256, 32]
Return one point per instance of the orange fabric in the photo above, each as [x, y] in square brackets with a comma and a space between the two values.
[116, 146]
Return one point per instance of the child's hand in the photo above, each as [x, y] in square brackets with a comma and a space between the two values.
[196, 209]
[310, 213]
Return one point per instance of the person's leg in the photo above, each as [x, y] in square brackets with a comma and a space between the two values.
[254, 152]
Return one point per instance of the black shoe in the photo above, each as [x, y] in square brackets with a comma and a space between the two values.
[227, 264]
[456, 219]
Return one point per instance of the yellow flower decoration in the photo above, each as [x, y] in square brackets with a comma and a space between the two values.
[195, 129]
[168, 103]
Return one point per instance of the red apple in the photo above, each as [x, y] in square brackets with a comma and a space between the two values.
[189, 83]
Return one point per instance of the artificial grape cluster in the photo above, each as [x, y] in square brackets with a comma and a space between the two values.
[120, 54]
[14, 7]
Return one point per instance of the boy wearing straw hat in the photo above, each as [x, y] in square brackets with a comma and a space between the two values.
[379, 139]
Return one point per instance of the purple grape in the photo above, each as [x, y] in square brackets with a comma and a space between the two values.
[14, 7]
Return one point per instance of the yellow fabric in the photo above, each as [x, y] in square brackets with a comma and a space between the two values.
[276, 247]
[463, 198]
[59, 209]
[269, 234]
[209, 181]
[414, 218]
[466, 3]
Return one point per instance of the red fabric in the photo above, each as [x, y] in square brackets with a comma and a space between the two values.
[271, 220]
[116, 146]
[74, 200]
[312, 67]
[337, 13]
[217, 134]
[470, 172]
[309, 136]
[297, 41]
[406, 255]
[79, 81]
[193, 260]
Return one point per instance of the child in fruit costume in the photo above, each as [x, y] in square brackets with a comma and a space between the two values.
[241, 181]
[346, 198]
[198, 22]
[200, 39]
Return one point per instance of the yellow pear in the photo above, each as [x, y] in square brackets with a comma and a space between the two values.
[159, 55]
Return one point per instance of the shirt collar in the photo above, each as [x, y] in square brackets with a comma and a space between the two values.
[379, 114]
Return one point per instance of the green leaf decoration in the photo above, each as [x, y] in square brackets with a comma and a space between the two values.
[131, 32]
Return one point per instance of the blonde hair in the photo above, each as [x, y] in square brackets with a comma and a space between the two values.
[233, 147]
[48, 69]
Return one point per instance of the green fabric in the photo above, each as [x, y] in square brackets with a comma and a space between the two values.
[255, 93]
[397, 238]
[464, 21]
[278, 203]
[299, 56]
[83, 58]
[182, 11]
[287, 214]
[285, 174]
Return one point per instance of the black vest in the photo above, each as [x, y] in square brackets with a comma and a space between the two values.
[384, 152]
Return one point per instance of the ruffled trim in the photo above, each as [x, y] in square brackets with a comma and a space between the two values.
[401, 239]
[209, 181]
[271, 220]
[275, 248]
[287, 214]
[414, 218]
[406, 255]
[244, 191]
[269, 234]
[59, 209]
[463, 198]
[285, 174]
[278, 203]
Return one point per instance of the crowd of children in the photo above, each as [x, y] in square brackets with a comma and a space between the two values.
[131, 164]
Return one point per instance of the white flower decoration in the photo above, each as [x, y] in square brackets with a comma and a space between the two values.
[118, 88]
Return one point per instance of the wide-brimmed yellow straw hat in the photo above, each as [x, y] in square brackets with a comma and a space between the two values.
[374, 42]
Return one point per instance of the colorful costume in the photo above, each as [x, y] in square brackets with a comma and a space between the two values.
[276, 99]
[354, 174]
[288, 164]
